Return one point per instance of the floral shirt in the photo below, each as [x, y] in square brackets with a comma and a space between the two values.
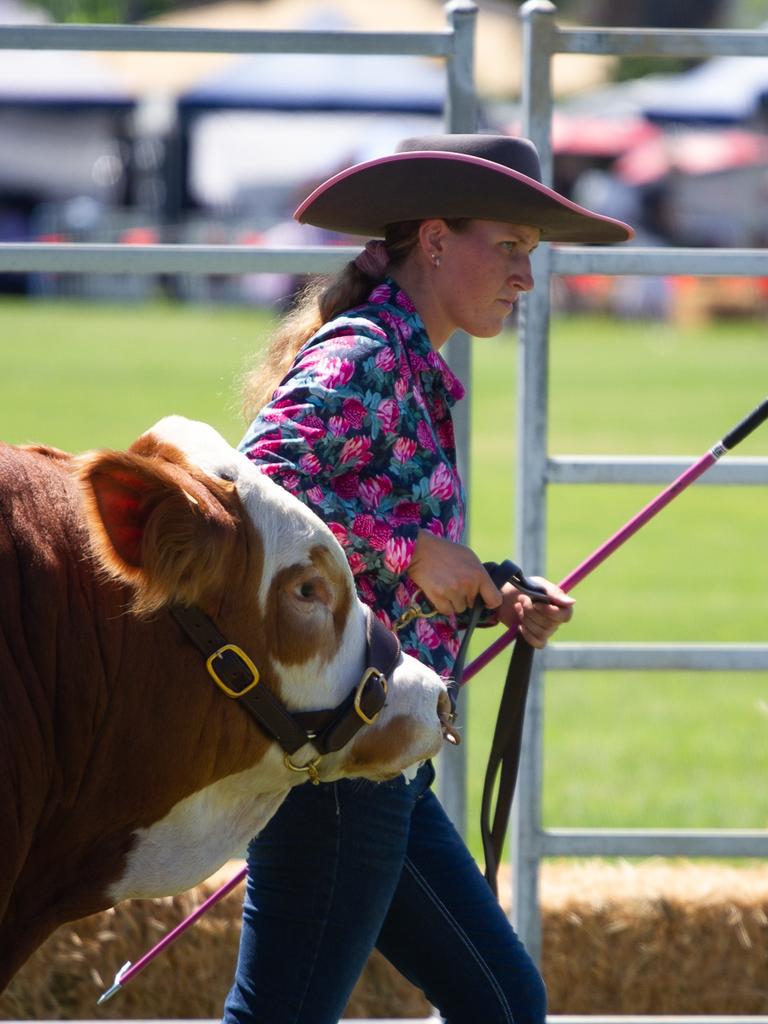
[360, 430]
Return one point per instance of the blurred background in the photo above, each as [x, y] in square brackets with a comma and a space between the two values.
[143, 147]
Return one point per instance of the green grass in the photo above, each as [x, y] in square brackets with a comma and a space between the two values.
[632, 749]
[621, 750]
[85, 375]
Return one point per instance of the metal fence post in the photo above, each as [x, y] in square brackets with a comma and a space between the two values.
[530, 505]
[530, 840]
[530, 533]
[460, 116]
[538, 34]
[461, 104]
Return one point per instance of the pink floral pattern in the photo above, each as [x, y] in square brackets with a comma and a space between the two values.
[360, 430]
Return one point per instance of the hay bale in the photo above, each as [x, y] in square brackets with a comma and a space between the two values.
[655, 938]
[65, 977]
[190, 979]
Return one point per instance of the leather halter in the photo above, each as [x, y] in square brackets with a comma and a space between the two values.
[328, 730]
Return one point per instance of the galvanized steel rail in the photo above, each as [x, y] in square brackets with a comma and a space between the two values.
[658, 42]
[568, 259]
[144, 39]
[658, 657]
[542, 38]
[639, 469]
[103, 258]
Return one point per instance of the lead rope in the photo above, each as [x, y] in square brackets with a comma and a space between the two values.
[504, 757]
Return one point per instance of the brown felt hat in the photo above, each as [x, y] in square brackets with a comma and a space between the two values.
[486, 177]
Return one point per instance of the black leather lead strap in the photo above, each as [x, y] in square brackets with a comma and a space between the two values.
[506, 746]
[501, 573]
[504, 757]
[454, 684]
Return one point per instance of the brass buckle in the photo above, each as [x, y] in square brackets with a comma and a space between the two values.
[220, 682]
[310, 768]
[368, 674]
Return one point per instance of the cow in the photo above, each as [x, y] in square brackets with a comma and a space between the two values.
[128, 765]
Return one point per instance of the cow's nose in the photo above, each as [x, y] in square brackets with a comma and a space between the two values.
[446, 716]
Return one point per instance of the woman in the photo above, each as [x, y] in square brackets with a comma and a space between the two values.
[352, 415]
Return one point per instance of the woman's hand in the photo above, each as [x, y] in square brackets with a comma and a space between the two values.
[536, 621]
[451, 576]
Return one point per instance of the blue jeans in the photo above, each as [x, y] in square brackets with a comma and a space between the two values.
[347, 866]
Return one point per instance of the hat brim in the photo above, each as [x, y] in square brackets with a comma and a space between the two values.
[418, 185]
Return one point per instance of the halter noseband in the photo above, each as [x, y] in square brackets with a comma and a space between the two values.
[328, 730]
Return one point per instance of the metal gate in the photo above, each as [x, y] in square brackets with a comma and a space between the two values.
[536, 470]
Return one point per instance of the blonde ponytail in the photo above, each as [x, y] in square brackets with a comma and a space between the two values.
[320, 301]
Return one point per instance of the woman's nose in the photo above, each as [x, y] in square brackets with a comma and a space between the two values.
[522, 275]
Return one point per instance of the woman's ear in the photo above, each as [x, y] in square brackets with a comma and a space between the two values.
[431, 238]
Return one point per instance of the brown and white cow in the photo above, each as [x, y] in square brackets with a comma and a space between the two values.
[124, 771]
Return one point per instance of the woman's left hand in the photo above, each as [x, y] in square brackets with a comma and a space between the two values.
[536, 621]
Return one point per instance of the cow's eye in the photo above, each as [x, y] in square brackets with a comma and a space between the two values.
[313, 591]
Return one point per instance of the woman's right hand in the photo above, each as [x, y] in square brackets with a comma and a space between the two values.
[450, 575]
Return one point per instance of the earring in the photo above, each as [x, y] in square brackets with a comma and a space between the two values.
[435, 259]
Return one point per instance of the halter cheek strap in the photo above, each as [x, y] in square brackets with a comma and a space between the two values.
[327, 730]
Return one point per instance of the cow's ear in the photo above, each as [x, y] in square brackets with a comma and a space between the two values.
[158, 524]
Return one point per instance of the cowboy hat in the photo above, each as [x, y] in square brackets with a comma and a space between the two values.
[486, 177]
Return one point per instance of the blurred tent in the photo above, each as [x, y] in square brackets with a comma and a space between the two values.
[721, 91]
[592, 135]
[498, 48]
[686, 185]
[229, 138]
[306, 81]
[62, 115]
[61, 80]
[692, 153]
[264, 125]
[256, 129]
[266, 160]
[64, 126]
[55, 79]
[711, 184]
